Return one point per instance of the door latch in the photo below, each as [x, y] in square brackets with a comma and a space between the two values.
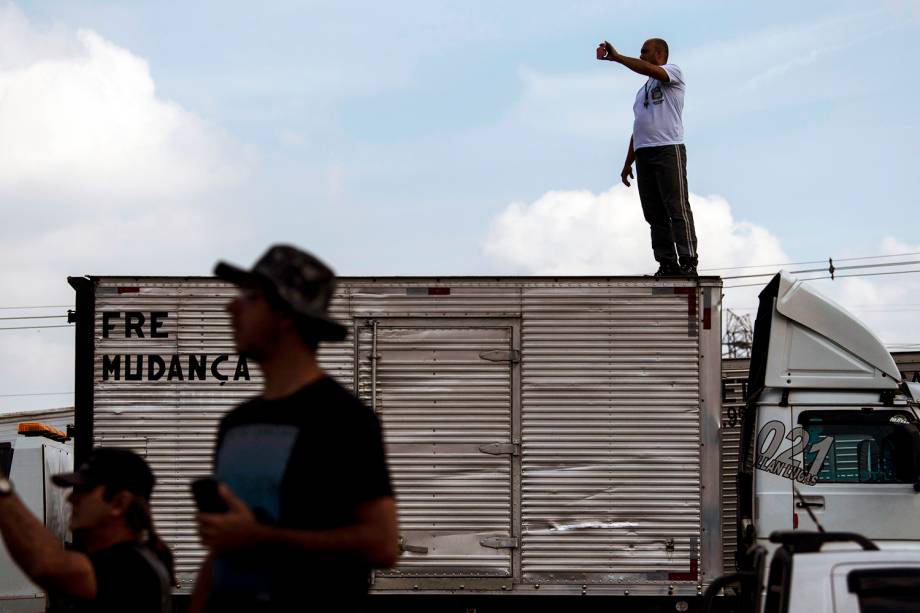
[499, 355]
[513, 449]
[500, 542]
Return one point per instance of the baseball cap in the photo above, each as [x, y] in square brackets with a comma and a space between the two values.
[117, 469]
[301, 280]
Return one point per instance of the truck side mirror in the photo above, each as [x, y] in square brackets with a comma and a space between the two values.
[6, 458]
[868, 459]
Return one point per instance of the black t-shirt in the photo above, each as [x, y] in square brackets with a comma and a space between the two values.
[307, 462]
[129, 577]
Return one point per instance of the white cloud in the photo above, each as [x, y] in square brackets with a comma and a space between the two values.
[98, 174]
[606, 234]
[90, 122]
[581, 233]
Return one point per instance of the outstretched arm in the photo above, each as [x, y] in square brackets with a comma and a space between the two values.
[636, 65]
[40, 555]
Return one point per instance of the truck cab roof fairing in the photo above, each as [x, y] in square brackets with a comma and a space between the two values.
[803, 339]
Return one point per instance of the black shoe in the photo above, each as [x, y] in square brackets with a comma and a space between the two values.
[688, 270]
[667, 270]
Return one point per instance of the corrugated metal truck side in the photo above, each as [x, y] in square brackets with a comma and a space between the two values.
[545, 435]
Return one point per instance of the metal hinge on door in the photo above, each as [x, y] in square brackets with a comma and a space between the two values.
[372, 324]
[404, 546]
[499, 355]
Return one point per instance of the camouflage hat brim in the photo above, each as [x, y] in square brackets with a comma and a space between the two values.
[236, 275]
[327, 329]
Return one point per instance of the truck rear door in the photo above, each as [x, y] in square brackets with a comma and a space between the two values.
[445, 391]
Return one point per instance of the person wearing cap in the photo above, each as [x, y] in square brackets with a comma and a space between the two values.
[123, 566]
[301, 466]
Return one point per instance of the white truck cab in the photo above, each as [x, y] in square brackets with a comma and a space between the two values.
[829, 572]
[38, 452]
[828, 416]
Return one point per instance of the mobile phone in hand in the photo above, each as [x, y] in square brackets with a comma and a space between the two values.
[601, 52]
[207, 497]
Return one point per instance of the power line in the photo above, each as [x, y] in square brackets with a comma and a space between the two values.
[762, 266]
[36, 394]
[851, 259]
[48, 306]
[832, 269]
[866, 274]
[33, 317]
[877, 257]
[879, 274]
[36, 327]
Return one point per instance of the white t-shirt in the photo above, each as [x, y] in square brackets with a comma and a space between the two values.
[660, 123]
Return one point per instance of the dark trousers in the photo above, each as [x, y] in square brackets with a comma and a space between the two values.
[662, 175]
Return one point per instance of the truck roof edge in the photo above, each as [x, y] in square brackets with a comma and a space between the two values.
[803, 339]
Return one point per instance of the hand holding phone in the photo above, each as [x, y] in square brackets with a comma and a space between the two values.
[601, 52]
[207, 496]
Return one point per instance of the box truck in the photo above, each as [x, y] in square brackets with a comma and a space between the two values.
[544, 435]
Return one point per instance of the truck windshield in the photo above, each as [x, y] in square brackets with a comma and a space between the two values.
[857, 447]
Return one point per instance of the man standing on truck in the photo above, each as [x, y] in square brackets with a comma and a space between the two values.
[657, 147]
[125, 566]
[302, 466]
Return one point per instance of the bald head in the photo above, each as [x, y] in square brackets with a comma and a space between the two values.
[655, 50]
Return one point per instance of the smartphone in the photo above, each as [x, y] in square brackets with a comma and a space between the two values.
[207, 498]
[601, 52]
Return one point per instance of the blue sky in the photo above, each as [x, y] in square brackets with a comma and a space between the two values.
[444, 138]
[417, 105]
[413, 101]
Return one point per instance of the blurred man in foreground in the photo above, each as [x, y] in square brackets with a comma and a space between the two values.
[302, 466]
